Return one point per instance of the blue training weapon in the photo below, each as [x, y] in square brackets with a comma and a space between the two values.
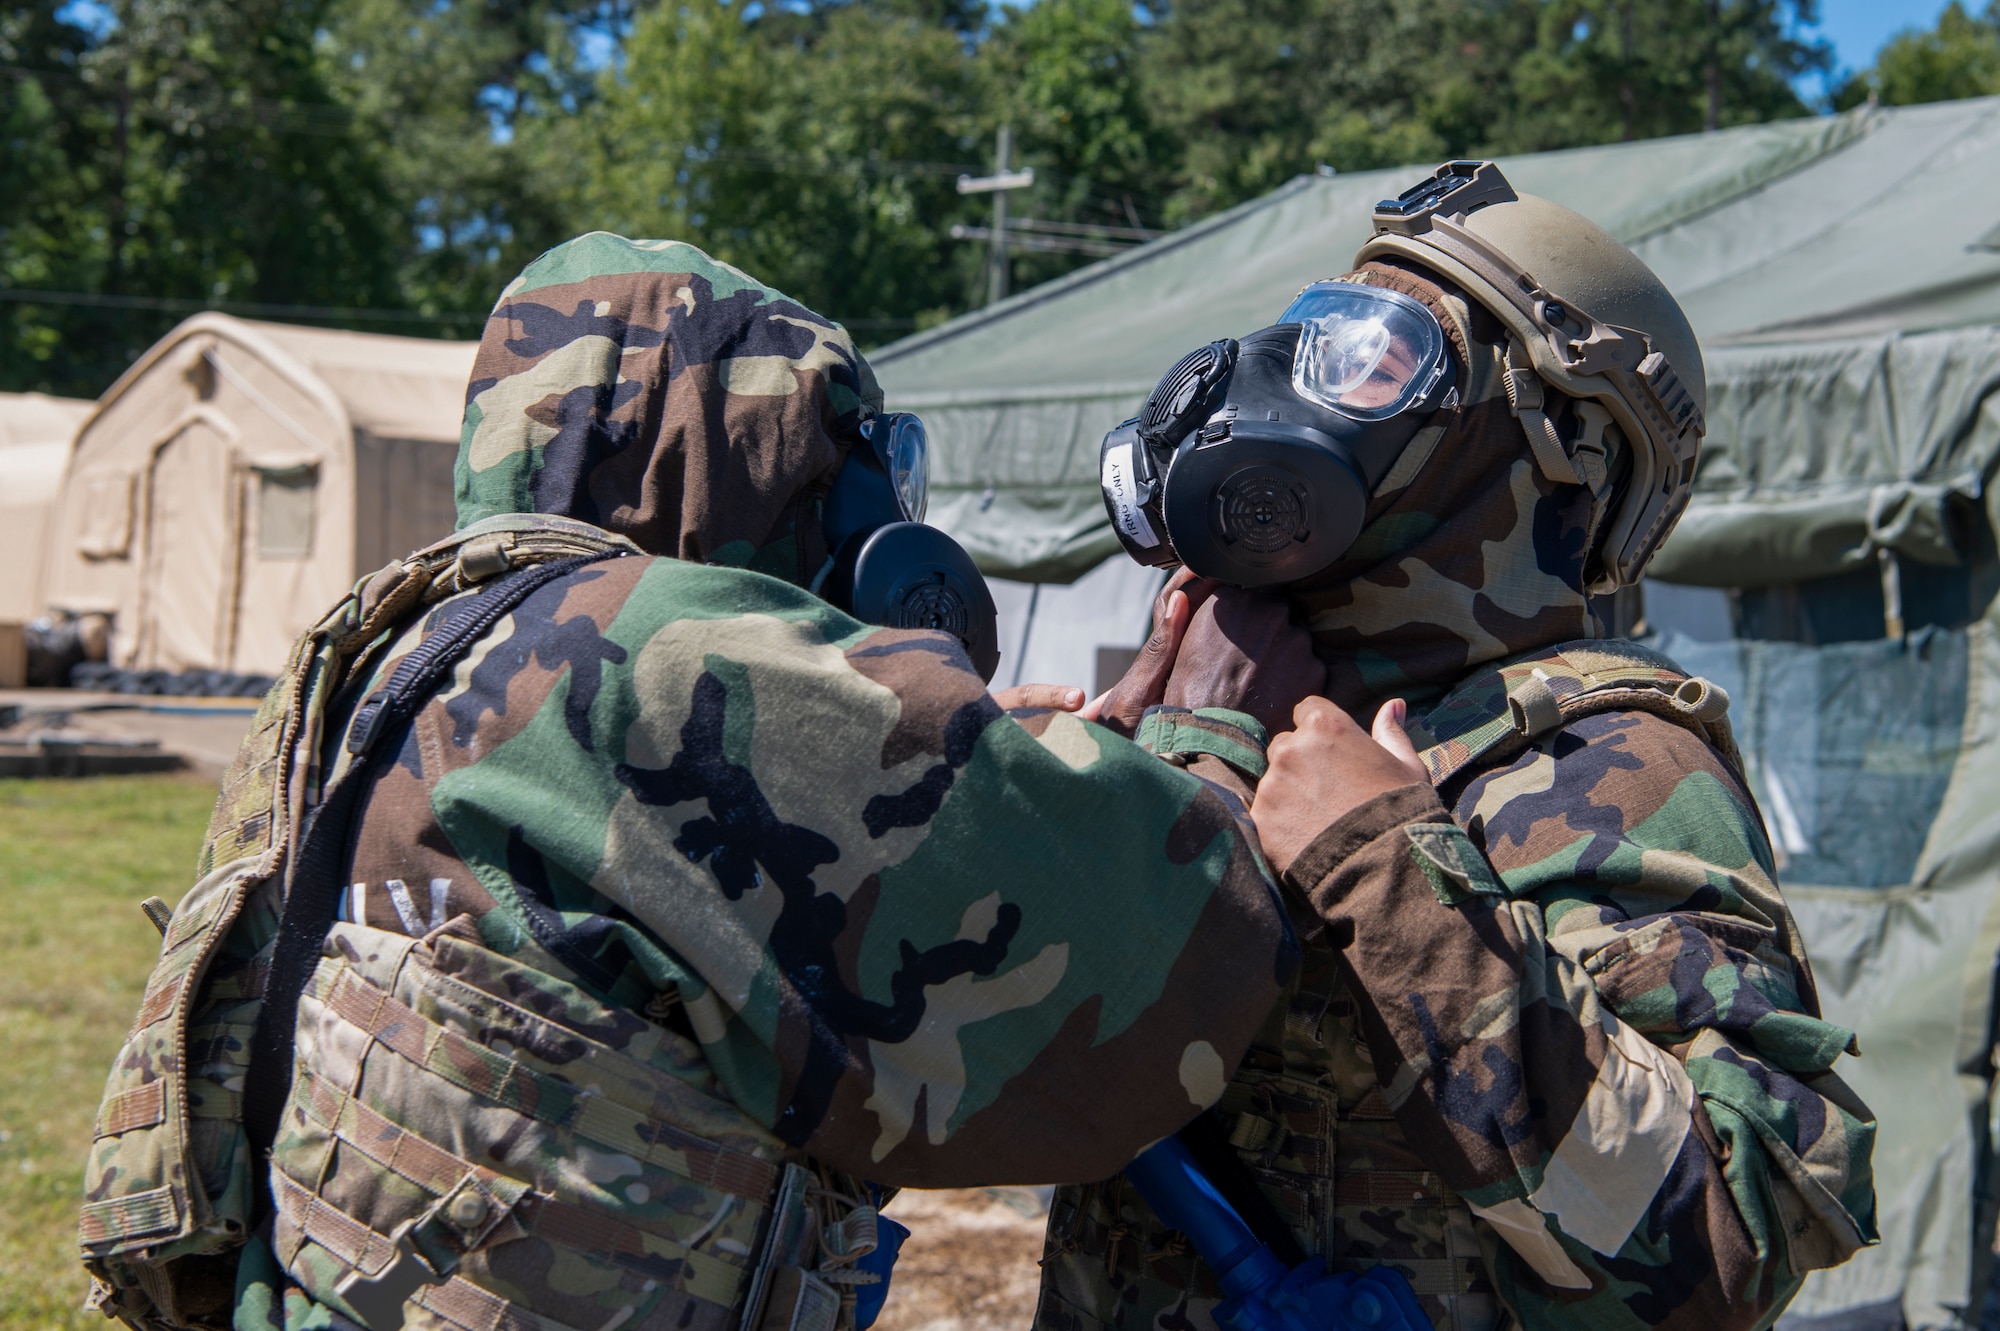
[1262, 1294]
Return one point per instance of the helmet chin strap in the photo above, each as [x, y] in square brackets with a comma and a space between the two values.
[1587, 461]
[1526, 395]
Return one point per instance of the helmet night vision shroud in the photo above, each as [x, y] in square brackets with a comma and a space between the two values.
[1256, 478]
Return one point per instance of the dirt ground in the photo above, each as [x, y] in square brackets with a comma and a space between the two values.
[969, 1263]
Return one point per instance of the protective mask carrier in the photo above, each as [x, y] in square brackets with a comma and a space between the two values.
[888, 567]
[1253, 460]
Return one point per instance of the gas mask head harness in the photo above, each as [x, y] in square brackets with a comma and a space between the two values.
[888, 567]
[1253, 460]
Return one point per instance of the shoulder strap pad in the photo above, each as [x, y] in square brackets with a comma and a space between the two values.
[1494, 714]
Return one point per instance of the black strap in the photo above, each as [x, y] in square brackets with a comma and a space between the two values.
[312, 896]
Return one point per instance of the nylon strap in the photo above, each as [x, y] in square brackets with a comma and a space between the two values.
[474, 1068]
[438, 1171]
[1525, 395]
[1494, 713]
[312, 895]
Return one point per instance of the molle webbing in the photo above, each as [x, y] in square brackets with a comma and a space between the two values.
[439, 1172]
[1499, 711]
[477, 1070]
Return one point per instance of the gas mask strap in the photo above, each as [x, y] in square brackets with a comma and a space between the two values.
[1525, 396]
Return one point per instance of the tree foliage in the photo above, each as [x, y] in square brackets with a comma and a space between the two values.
[390, 163]
[196, 155]
[1960, 57]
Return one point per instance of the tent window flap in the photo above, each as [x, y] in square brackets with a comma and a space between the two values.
[286, 498]
[107, 520]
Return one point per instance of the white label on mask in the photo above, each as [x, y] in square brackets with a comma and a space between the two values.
[1123, 487]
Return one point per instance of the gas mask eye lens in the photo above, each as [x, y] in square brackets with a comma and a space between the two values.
[909, 465]
[1349, 350]
[1365, 352]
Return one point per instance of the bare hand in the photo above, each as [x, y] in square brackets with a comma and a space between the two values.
[1326, 768]
[1053, 697]
[1145, 683]
[1242, 651]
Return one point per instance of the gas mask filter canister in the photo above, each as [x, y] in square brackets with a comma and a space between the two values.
[1253, 460]
[888, 567]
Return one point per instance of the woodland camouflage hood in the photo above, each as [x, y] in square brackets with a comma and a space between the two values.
[648, 389]
[1470, 554]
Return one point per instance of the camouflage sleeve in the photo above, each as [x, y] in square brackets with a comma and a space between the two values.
[927, 941]
[1591, 1011]
[1223, 747]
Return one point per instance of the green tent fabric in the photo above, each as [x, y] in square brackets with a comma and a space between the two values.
[1873, 222]
[1844, 276]
[1876, 767]
[1820, 454]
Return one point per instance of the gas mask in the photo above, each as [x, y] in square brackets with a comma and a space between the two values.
[888, 567]
[1253, 460]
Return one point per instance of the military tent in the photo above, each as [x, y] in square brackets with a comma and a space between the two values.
[35, 435]
[1835, 572]
[239, 476]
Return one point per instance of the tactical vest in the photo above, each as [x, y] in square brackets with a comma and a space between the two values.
[433, 1157]
[1304, 1115]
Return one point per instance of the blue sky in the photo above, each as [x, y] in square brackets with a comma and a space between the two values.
[1859, 28]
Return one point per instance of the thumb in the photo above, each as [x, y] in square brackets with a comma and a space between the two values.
[1145, 683]
[1389, 733]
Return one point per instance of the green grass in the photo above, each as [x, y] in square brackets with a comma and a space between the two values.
[76, 859]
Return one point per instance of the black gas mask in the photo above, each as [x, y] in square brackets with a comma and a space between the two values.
[1253, 460]
[890, 569]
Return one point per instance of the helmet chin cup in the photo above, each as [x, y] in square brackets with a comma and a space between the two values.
[905, 575]
[1269, 503]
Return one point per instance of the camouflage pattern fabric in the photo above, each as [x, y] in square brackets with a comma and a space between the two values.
[998, 948]
[1554, 1051]
[648, 389]
[687, 887]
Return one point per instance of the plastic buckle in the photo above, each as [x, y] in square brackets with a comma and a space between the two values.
[361, 735]
[379, 1299]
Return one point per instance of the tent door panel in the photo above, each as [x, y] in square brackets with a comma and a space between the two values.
[282, 589]
[187, 615]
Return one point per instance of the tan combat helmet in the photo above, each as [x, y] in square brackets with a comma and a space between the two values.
[1584, 316]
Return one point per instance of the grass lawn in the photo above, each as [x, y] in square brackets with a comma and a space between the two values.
[76, 859]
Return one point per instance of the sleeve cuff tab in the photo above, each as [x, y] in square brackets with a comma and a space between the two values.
[1454, 866]
[1235, 737]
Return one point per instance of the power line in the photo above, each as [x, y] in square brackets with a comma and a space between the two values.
[346, 313]
[182, 305]
[328, 120]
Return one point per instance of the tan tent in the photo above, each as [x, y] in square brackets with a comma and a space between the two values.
[35, 435]
[238, 478]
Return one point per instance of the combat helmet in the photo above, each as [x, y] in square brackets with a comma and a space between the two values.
[1584, 316]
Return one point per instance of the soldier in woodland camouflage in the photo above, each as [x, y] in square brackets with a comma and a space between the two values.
[688, 907]
[1554, 1051]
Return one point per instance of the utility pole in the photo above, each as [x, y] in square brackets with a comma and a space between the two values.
[999, 185]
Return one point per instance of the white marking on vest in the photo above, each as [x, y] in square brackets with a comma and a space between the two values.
[399, 894]
[440, 894]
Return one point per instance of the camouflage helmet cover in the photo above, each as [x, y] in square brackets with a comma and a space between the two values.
[1585, 316]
